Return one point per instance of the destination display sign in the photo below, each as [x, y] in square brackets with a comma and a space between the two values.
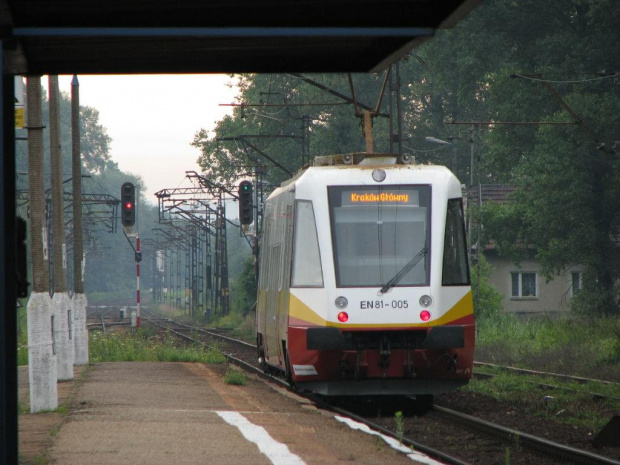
[385, 196]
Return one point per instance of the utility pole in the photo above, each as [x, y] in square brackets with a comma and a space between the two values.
[42, 368]
[79, 301]
[60, 300]
[395, 112]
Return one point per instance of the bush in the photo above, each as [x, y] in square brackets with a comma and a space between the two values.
[487, 299]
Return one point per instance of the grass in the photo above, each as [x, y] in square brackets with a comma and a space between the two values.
[400, 426]
[147, 346]
[578, 409]
[569, 345]
[576, 346]
[235, 377]
[22, 333]
[242, 327]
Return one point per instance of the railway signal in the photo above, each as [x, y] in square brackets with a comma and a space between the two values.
[128, 204]
[246, 203]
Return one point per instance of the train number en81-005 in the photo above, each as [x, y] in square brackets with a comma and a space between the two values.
[366, 304]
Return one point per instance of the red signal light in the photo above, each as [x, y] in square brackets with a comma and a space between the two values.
[128, 204]
[343, 317]
[425, 315]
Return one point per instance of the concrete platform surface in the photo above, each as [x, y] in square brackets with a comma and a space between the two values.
[184, 413]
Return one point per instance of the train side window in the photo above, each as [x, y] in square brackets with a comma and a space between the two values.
[455, 266]
[307, 269]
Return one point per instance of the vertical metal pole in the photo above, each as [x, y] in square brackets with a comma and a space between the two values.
[469, 191]
[454, 159]
[399, 115]
[138, 250]
[8, 245]
[79, 298]
[367, 118]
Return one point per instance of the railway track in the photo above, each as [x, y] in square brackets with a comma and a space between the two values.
[553, 387]
[577, 379]
[493, 437]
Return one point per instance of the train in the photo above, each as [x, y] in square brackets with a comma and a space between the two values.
[364, 282]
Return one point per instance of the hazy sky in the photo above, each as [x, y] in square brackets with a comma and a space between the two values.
[152, 120]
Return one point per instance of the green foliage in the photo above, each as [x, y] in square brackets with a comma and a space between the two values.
[563, 405]
[487, 299]
[561, 346]
[143, 346]
[235, 377]
[244, 288]
[400, 426]
[22, 333]
[564, 211]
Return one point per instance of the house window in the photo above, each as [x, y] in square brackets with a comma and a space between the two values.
[524, 285]
[576, 282]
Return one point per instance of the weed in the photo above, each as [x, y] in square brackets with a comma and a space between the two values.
[380, 443]
[507, 456]
[146, 346]
[21, 408]
[42, 459]
[562, 345]
[400, 426]
[235, 377]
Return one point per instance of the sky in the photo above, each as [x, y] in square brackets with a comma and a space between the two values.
[152, 120]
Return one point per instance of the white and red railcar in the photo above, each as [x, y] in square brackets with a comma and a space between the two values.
[364, 283]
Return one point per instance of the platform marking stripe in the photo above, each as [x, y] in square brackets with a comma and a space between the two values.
[275, 451]
[412, 454]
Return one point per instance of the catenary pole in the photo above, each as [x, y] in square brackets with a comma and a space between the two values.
[41, 358]
[79, 301]
[61, 303]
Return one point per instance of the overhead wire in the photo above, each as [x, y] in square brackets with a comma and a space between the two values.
[533, 78]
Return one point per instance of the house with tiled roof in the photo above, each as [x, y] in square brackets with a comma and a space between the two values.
[525, 290]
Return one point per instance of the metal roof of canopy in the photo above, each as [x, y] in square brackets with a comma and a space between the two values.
[187, 36]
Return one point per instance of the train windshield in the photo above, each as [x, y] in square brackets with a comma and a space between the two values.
[377, 231]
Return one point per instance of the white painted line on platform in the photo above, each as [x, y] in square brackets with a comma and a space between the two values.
[275, 451]
[412, 454]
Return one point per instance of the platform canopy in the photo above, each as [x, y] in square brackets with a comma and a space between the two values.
[209, 36]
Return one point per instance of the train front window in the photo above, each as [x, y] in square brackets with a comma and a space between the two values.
[377, 231]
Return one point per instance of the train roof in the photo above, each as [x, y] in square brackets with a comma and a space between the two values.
[327, 169]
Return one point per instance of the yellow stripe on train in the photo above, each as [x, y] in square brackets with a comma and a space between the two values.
[302, 315]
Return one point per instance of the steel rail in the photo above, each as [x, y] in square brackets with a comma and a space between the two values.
[434, 453]
[578, 379]
[552, 387]
[541, 445]
[533, 442]
[231, 358]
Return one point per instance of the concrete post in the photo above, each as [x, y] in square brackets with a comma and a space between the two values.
[42, 361]
[61, 303]
[79, 301]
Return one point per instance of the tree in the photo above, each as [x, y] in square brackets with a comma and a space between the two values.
[485, 69]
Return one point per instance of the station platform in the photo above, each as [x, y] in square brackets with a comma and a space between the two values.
[184, 413]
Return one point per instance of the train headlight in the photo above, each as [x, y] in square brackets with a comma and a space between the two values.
[378, 175]
[341, 302]
[426, 301]
[343, 317]
[425, 315]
